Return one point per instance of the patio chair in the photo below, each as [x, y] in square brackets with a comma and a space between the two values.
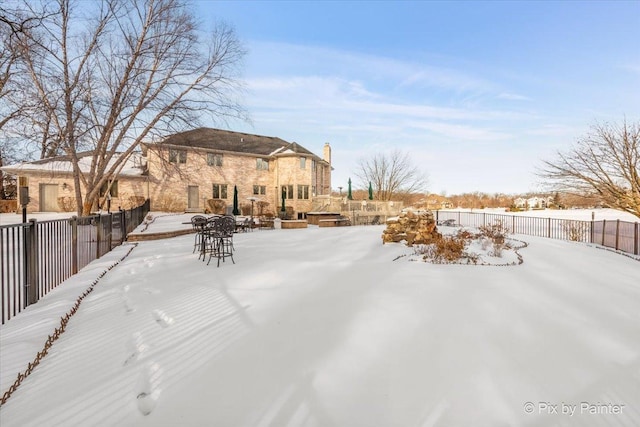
[244, 225]
[375, 220]
[198, 223]
[219, 239]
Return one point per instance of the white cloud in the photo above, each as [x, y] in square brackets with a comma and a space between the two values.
[292, 59]
[513, 97]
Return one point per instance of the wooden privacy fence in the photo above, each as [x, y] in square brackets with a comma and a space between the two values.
[35, 257]
[619, 235]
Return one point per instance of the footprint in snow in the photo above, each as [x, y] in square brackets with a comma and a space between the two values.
[135, 347]
[128, 305]
[147, 389]
[162, 319]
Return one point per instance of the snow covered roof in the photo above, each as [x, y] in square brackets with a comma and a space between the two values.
[134, 165]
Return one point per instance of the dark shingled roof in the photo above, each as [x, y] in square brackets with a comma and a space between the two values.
[238, 142]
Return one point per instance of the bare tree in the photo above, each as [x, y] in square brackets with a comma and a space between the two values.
[606, 162]
[390, 174]
[13, 27]
[123, 71]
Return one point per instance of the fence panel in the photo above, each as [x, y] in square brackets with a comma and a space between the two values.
[55, 247]
[619, 235]
[12, 269]
[117, 231]
[87, 240]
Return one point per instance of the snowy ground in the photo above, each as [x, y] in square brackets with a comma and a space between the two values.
[321, 327]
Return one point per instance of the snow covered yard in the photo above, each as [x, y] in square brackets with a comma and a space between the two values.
[321, 327]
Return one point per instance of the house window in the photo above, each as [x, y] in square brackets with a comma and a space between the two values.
[313, 165]
[303, 162]
[288, 191]
[214, 159]
[177, 156]
[303, 192]
[262, 164]
[219, 191]
[259, 190]
[113, 191]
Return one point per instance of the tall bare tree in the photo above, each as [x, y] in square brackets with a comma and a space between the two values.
[606, 162]
[113, 73]
[13, 28]
[390, 174]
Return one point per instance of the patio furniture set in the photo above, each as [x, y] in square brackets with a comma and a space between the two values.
[214, 237]
[214, 234]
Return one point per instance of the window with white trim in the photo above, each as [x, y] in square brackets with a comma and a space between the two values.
[219, 191]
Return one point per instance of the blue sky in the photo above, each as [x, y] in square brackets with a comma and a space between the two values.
[477, 92]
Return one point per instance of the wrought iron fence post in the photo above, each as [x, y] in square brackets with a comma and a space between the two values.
[549, 228]
[110, 238]
[123, 226]
[617, 233]
[31, 264]
[98, 235]
[636, 246]
[604, 228]
[74, 244]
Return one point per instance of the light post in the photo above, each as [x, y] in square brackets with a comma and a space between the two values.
[253, 199]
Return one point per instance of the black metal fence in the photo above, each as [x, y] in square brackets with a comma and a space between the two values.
[35, 257]
[620, 235]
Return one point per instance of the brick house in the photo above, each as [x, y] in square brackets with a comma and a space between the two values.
[194, 171]
[188, 169]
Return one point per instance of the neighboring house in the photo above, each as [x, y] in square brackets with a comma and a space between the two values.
[189, 171]
[52, 187]
[533, 202]
[435, 201]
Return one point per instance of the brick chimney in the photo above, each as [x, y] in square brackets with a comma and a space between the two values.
[326, 178]
[326, 153]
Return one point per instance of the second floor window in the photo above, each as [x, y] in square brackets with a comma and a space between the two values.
[262, 164]
[259, 190]
[214, 159]
[219, 191]
[177, 156]
[303, 162]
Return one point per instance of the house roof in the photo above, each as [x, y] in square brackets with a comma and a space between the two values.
[134, 165]
[236, 142]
